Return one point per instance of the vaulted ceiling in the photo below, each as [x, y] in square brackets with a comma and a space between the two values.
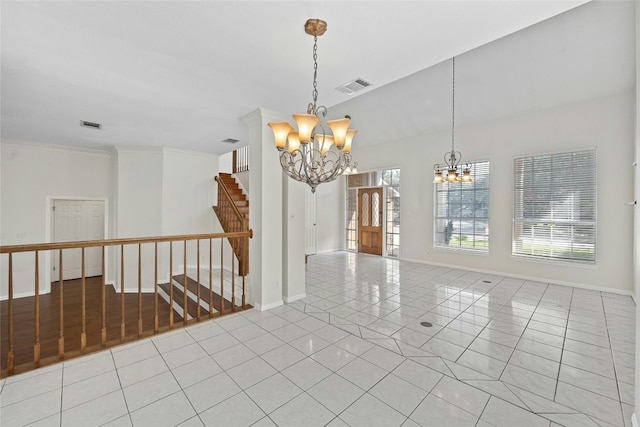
[181, 74]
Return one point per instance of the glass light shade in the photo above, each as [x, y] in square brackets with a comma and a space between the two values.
[306, 123]
[452, 176]
[280, 132]
[339, 128]
[294, 141]
[466, 175]
[324, 143]
[437, 179]
[347, 143]
[354, 168]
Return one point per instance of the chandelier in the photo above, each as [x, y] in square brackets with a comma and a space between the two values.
[310, 154]
[455, 172]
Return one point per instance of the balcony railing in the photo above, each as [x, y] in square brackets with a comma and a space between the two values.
[203, 292]
[241, 160]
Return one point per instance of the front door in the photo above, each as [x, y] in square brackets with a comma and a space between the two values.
[370, 220]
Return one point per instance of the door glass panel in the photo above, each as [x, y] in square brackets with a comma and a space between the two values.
[375, 208]
[365, 210]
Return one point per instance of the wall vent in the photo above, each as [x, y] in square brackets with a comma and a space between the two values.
[230, 140]
[353, 86]
[92, 125]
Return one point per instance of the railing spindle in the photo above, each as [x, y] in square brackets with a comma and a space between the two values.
[221, 276]
[245, 256]
[10, 354]
[139, 290]
[36, 311]
[61, 314]
[210, 278]
[122, 321]
[184, 295]
[155, 290]
[83, 335]
[103, 284]
[233, 283]
[198, 279]
[170, 285]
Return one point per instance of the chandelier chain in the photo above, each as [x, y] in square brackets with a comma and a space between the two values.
[315, 73]
[453, 105]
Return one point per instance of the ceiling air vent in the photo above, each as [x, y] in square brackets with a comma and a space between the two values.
[230, 140]
[353, 86]
[92, 125]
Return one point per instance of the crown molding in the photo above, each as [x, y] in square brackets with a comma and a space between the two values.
[43, 145]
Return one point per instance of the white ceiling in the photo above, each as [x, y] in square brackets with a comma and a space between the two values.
[181, 74]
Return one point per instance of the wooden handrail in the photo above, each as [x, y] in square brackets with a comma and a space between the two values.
[116, 242]
[99, 306]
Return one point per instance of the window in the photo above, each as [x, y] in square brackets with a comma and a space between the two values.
[352, 219]
[391, 182]
[554, 212]
[462, 212]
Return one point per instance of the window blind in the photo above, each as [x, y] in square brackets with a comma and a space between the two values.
[554, 213]
[462, 212]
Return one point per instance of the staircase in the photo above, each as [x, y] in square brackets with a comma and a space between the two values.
[186, 306]
[233, 213]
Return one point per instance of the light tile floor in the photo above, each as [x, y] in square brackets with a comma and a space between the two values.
[500, 352]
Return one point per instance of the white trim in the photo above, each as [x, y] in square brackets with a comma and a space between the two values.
[525, 277]
[265, 307]
[289, 300]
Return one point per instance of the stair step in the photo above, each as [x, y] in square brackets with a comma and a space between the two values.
[231, 222]
[192, 288]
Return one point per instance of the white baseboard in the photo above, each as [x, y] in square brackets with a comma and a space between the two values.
[288, 300]
[524, 277]
[265, 307]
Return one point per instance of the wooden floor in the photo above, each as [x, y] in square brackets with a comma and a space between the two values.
[24, 335]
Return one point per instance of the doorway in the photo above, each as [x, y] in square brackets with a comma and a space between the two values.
[370, 220]
[77, 220]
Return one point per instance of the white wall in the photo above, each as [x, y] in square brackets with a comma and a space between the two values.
[636, 222]
[265, 212]
[607, 124]
[139, 212]
[163, 192]
[225, 163]
[330, 233]
[149, 192]
[188, 193]
[30, 176]
[293, 240]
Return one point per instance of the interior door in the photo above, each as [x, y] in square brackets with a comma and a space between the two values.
[370, 220]
[310, 222]
[77, 220]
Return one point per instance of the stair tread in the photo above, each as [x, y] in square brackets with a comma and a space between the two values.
[192, 286]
